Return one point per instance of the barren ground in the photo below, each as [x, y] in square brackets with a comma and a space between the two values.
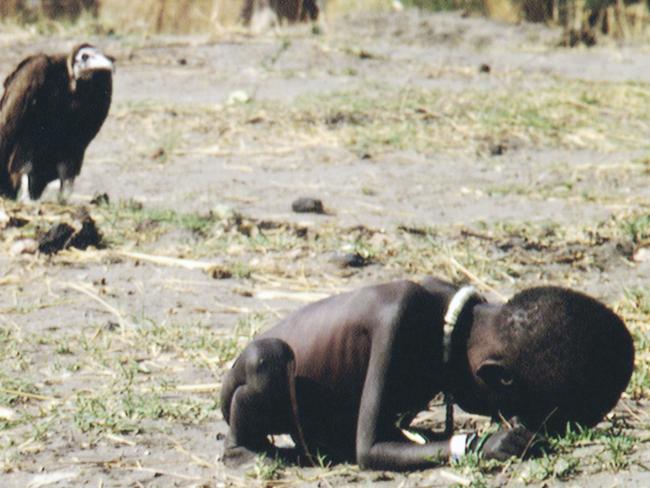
[536, 172]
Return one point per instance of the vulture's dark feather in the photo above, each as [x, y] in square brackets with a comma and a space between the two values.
[51, 108]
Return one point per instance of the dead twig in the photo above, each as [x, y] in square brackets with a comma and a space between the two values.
[168, 261]
[24, 394]
[475, 279]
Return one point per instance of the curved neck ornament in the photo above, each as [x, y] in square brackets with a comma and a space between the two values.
[454, 309]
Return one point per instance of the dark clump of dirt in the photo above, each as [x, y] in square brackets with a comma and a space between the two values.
[55, 239]
[349, 260]
[100, 199]
[497, 149]
[17, 222]
[340, 118]
[87, 236]
[63, 236]
[308, 205]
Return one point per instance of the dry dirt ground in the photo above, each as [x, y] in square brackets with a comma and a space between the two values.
[534, 169]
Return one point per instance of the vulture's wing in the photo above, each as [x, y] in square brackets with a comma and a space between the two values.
[22, 91]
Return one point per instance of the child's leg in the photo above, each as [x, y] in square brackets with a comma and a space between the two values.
[257, 399]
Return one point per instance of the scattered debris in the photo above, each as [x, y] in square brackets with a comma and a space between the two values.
[63, 236]
[484, 68]
[46, 479]
[497, 149]
[158, 153]
[223, 212]
[308, 205]
[419, 231]
[23, 246]
[55, 239]
[220, 272]
[87, 236]
[100, 199]
[238, 97]
[8, 414]
[349, 260]
[642, 255]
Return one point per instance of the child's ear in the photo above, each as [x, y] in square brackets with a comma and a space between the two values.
[495, 375]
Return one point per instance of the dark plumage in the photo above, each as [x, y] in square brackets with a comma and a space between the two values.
[52, 107]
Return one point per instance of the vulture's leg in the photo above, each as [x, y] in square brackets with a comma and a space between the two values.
[65, 190]
[36, 185]
[67, 174]
[22, 192]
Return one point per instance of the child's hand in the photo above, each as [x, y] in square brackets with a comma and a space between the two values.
[506, 443]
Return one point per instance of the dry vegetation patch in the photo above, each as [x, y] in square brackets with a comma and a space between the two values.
[130, 377]
[111, 359]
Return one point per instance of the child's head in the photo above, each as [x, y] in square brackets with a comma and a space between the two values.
[552, 356]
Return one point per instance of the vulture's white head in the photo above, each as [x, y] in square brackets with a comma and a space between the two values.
[87, 60]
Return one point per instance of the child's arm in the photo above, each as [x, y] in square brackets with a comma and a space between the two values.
[375, 445]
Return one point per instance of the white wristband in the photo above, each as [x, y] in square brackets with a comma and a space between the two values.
[457, 446]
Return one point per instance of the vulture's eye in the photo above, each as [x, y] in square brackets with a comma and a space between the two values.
[84, 57]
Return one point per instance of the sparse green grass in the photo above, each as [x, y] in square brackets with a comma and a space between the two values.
[91, 378]
[130, 219]
[123, 411]
[266, 469]
[381, 118]
[377, 118]
[638, 228]
[478, 469]
[550, 467]
[15, 390]
[142, 367]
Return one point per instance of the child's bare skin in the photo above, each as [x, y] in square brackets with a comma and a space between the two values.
[336, 374]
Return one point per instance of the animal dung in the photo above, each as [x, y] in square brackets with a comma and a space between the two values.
[308, 205]
[64, 236]
[55, 239]
[87, 236]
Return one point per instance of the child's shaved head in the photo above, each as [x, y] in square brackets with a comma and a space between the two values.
[571, 356]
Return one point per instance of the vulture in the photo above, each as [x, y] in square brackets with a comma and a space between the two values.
[51, 108]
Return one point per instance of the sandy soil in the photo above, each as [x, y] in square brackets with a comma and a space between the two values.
[169, 143]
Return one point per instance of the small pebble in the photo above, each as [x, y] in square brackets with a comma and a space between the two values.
[497, 149]
[238, 97]
[642, 255]
[24, 246]
[308, 205]
[349, 260]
